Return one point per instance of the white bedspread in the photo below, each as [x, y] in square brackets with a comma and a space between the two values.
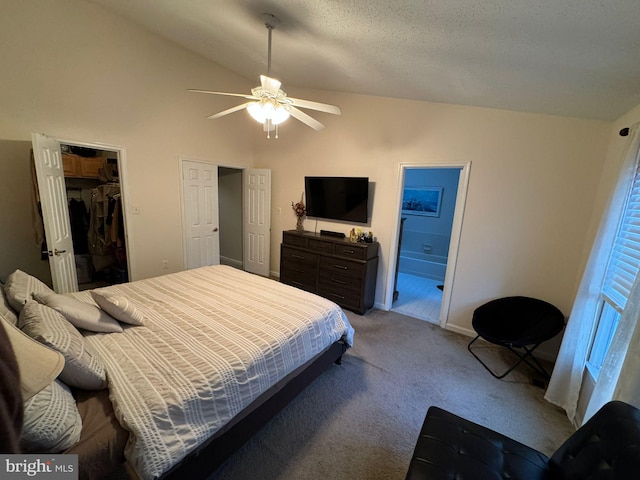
[215, 338]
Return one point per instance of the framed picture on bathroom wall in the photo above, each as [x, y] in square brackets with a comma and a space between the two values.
[425, 201]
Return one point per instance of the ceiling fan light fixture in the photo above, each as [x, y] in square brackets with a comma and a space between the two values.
[268, 104]
[257, 112]
[280, 114]
[268, 110]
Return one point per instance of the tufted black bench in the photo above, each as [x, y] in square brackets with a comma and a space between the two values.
[607, 447]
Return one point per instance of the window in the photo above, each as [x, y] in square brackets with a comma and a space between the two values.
[621, 273]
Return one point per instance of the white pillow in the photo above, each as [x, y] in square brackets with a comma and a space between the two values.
[82, 369]
[19, 288]
[51, 422]
[118, 306]
[82, 315]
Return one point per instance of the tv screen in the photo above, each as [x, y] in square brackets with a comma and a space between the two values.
[337, 198]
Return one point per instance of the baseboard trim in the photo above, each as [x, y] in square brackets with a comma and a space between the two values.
[232, 262]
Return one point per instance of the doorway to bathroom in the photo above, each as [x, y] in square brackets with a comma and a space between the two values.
[430, 217]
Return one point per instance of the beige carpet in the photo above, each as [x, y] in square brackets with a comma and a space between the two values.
[360, 420]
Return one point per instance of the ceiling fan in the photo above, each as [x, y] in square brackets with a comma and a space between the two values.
[268, 103]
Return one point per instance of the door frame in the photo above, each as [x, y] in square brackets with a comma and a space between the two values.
[456, 231]
[125, 192]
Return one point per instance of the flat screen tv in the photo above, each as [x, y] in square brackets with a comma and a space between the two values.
[337, 198]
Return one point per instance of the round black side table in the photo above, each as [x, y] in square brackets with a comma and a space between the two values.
[519, 324]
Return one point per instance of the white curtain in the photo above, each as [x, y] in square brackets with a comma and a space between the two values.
[619, 377]
[566, 380]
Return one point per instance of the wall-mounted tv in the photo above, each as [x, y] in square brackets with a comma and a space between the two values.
[337, 198]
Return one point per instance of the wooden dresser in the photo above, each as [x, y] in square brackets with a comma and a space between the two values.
[331, 267]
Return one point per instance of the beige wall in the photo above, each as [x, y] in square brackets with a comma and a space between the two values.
[72, 71]
[18, 242]
[79, 73]
[530, 197]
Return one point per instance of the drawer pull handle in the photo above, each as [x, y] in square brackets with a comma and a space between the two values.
[297, 270]
[351, 252]
[299, 257]
[341, 267]
[341, 282]
[337, 296]
[297, 284]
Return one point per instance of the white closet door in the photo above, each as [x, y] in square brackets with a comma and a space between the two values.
[257, 220]
[200, 200]
[55, 212]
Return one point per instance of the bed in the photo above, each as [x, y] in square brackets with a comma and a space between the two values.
[196, 363]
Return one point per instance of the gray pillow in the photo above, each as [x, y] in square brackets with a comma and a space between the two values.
[82, 368]
[38, 364]
[52, 422]
[19, 288]
[6, 312]
[81, 314]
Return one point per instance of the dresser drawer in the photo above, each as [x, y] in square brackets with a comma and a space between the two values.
[321, 246]
[302, 257]
[295, 240]
[335, 281]
[340, 296]
[351, 251]
[345, 268]
[299, 276]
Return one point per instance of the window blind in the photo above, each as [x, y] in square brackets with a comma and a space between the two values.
[624, 262]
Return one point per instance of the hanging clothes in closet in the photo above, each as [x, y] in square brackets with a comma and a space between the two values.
[79, 219]
[106, 232]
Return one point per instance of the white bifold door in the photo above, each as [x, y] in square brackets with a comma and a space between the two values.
[55, 213]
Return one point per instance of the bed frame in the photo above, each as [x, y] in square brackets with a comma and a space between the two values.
[213, 453]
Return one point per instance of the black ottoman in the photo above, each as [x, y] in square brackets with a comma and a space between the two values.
[449, 447]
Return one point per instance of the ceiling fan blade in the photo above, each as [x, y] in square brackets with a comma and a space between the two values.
[228, 111]
[250, 97]
[321, 107]
[306, 119]
[270, 84]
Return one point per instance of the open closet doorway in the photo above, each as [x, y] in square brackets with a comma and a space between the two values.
[230, 208]
[83, 214]
[430, 205]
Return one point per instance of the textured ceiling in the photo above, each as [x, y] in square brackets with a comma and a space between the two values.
[563, 57]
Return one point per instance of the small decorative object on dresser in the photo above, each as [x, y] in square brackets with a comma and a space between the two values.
[300, 211]
[331, 267]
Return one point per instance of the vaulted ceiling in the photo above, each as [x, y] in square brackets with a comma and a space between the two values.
[563, 57]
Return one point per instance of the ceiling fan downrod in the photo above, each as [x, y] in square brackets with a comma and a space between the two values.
[271, 22]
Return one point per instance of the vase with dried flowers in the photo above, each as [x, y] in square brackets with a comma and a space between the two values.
[300, 211]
